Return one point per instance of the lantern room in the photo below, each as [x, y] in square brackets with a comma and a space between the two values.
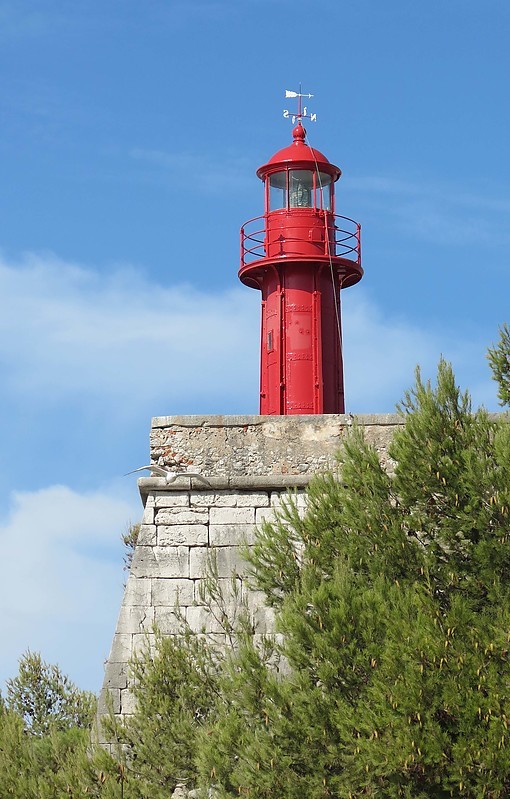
[300, 254]
[299, 188]
[299, 177]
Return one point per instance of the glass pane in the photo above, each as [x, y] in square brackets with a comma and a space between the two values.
[300, 188]
[323, 191]
[278, 191]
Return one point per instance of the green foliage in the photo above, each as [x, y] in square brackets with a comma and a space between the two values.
[274, 554]
[452, 483]
[46, 751]
[389, 676]
[395, 613]
[60, 763]
[175, 686]
[46, 699]
[129, 539]
[499, 359]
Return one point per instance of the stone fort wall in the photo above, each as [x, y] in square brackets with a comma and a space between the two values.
[250, 462]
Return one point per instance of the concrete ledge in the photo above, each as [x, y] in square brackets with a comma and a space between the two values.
[343, 419]
[258, 452]
[233, 447]
[270, 482]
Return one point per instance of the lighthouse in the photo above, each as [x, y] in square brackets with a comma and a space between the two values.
[300, 254]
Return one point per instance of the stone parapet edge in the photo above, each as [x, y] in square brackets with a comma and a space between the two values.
[277, 482]
[365, 420]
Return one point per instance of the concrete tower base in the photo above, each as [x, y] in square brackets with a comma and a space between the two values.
[249, 462]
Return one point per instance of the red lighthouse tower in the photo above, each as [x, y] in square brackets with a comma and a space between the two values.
[300, 254]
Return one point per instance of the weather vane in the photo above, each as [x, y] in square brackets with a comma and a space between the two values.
[302, 112]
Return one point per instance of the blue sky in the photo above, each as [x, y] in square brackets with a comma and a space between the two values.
[129, 141]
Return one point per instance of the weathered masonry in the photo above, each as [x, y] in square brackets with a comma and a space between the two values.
[250, 462]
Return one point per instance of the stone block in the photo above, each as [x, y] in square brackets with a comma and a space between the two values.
[168, 621]
[228, 561]
[198, 560]
[135, 619]
[168, 592]
[213, 499]
[252, 499]
[148, 515]
[264, 514]
[147, 535]
[232, 515]
[279, 498]
[109, 702]
[202, 620]
[138, 591]
[167, 516]
[173, 499]
[193, 535]
[161, 562]
[254, 598]
[230, 590]
[302, 499]
[144, 642]
[121, 648]
[219, 640]
[116, 675]
[127, 703]
[228, 535]
[263, 619]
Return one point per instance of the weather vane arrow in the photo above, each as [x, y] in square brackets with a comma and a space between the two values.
[302, 112]
[296, 94]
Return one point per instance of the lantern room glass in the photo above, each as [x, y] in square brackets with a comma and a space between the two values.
[278, 191]
[324, 192]
[300, 188]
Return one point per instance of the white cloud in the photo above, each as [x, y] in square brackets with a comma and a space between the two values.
[62, 578]
[68, 334]
[381, 354]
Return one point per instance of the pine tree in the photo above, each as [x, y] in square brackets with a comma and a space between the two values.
[392, 595]
[395, 617]
[499, 359]
[46, 750]
[45, 698]
[175, 685]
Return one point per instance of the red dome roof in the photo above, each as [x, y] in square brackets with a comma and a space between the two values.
[300, 155]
